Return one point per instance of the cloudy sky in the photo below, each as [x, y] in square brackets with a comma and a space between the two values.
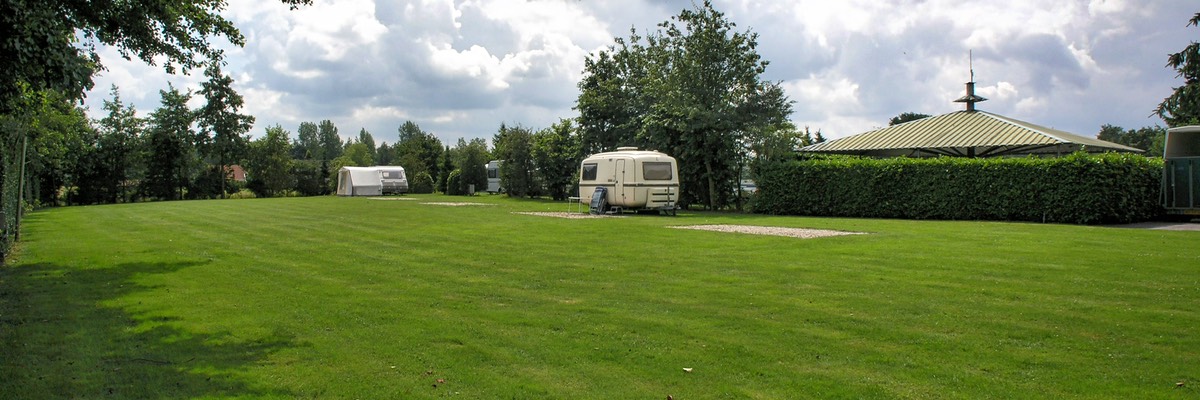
[460, 68]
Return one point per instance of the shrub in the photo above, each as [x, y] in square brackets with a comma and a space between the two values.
[454, 183]
[243, 194]
[310, 180]
[1079, 188]
[421, 183]
[208, 184]
[257, 187]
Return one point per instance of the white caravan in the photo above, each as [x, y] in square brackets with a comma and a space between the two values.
[631, 179]
[371, 181]
[493, 171]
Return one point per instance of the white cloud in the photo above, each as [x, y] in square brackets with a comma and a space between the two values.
[1100, 7]
[1031, 105]
[474, 63]
[1000, 91]
[827, 92]
[267, 102]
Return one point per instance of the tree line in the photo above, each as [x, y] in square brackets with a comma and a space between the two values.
[181, 153]
[174, 153]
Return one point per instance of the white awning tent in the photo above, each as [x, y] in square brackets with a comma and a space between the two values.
[359, 181]
[371, 181]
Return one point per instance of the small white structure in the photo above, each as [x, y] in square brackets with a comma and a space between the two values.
[371, 181]
[493, 172]
[1181, 175]
[632, 180]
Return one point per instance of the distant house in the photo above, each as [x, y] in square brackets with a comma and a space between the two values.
[967, 133]
[236, 172]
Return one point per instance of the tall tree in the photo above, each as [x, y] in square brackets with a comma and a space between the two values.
[52, 44]
[120, 132]
[611, 101]
[269, 163]
[311, 177]
[446, 162]
[331, 145]
[906, 117]
[696, 90]
[169, 146]
[223, 127]
[383, 154]
[771, 107]
[357, 155]
[710, 97]
[417, 151]
[55, 140]
[365, 138]
[774, 144]
[556, 155]
[471, 161]
[518, 174]
[308, 145]
[1152, 139]
[1182, 107]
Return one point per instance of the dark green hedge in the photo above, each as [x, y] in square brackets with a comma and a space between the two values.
[1078, 189]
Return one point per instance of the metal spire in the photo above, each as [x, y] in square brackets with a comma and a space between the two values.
[970, 98]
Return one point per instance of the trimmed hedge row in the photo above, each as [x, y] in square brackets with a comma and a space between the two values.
[1079, 189]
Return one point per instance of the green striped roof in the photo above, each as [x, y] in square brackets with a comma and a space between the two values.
[965, 133]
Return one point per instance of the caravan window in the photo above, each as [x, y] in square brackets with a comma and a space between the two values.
[589, 172]
[493, 173]
[656, 171]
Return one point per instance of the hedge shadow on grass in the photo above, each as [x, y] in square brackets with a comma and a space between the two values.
[58, 339]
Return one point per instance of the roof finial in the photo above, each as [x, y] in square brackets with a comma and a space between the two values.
[970, 98]
[971, 63]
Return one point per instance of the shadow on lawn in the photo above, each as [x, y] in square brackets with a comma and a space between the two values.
[59, 340]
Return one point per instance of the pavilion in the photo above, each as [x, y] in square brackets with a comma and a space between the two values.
[966, 133]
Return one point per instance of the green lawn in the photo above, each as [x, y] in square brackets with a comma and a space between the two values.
[356, 298]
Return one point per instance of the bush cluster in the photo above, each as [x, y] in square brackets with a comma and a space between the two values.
[1079, 188]
[420, 182]
[454, 186]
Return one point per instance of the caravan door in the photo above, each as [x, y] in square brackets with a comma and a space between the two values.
[619, 177]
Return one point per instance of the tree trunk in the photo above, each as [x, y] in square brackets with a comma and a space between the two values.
[738, 182]
[712, 184]
[223, 176]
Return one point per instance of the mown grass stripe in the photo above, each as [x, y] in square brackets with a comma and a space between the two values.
[321, 297]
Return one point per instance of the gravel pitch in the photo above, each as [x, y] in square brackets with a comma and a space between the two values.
[748, 229]
[390, 198]
[568, 215]
[801, 233]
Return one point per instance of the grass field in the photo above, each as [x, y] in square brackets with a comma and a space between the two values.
[357, 298]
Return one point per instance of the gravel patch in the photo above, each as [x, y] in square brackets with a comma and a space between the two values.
[390, 198]
[1165, 226]
[568, 215]
[457, 204]
[801, 233]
